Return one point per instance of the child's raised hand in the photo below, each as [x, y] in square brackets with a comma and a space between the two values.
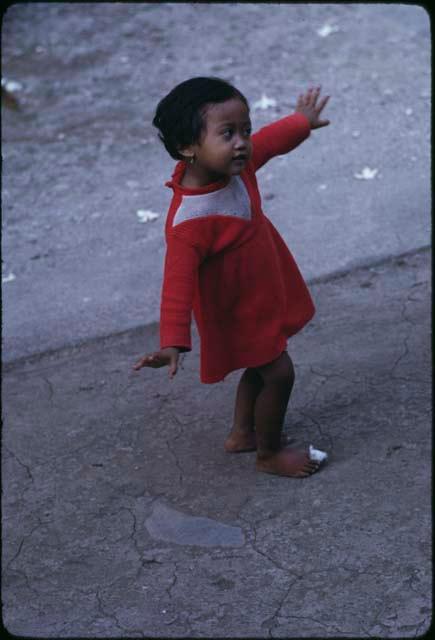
[307, 104]
[168, 356]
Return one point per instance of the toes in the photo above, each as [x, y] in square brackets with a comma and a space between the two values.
[311, 468]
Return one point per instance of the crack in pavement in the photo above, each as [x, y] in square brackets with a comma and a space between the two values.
[24, 538]
[26, 467]
[113, 617]
[317, 424]
[253, 543]
[174, 582]
[110, 616]
[22, 573]
[180, 477]
[133, 533]
[272, 618]
[410, 322]
[50, 389]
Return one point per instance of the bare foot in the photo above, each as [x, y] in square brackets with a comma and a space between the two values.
[240, 441]
[288, 462]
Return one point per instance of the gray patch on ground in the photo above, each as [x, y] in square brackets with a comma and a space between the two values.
[170, 525]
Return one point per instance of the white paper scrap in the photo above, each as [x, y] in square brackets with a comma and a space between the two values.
[317, 455]
[264, 102]
[11, 85]
[9, 278]
[366, 174]
[326, 30]
[145, 215]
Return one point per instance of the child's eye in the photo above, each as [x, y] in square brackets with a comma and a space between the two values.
[227, 133]
[248, 131]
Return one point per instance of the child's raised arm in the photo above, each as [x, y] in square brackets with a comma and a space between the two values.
[284, 135]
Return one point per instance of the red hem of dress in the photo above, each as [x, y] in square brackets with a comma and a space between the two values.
[256, 362]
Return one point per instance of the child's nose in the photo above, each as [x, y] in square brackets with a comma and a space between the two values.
[240, 142]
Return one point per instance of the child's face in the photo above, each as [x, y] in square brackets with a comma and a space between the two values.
[225, 144]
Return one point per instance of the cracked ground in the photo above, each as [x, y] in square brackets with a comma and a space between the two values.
[93, 453]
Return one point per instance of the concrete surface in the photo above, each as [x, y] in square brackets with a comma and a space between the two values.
[123, 516]
[81, 156]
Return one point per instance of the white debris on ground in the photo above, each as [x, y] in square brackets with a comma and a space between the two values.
[366, 174]
[264, 103]
[356, 134]
[9, 278]
[327, 29]
[11, 85]
[317, 455]
[144, 215]
[409, 112]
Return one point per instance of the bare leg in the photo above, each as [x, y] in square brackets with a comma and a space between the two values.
[270, 408]
[242, 435]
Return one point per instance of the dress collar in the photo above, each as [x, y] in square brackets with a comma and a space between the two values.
[175, 182]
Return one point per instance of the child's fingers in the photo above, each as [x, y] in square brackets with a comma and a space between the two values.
[322, 103]
[146, 361]
[307, 96]
[173, 367]
[322, 123]
[172, 372]
[314, 94]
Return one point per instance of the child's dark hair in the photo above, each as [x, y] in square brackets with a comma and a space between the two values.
[179, 116]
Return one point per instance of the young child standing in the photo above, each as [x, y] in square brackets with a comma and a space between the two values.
[227, 263]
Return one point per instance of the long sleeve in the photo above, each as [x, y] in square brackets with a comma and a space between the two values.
[179, 285]
[278, 138]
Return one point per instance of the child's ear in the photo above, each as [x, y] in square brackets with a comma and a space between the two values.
[187, 152]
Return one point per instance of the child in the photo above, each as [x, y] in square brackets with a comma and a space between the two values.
[227, 262]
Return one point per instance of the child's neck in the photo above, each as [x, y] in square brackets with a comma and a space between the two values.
[195, 178]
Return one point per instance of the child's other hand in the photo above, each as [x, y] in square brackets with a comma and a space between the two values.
[307, 104]
[168, 356]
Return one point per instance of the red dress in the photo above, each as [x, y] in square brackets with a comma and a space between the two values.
[227, 262]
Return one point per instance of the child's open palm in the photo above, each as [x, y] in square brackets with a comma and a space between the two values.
[307, 104]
